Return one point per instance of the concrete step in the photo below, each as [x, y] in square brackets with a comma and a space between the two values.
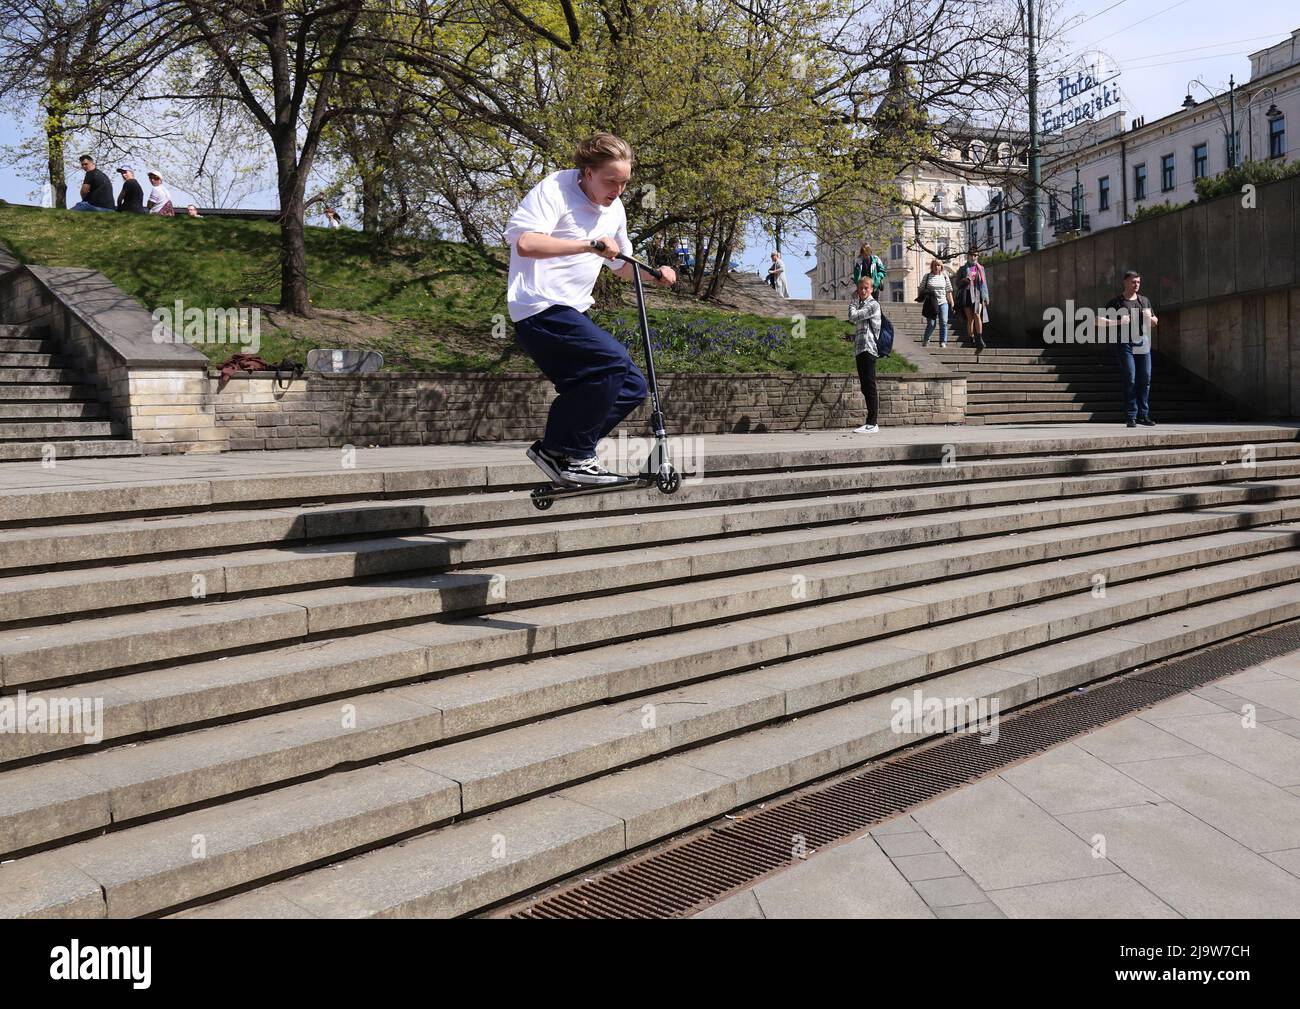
[463, 508]
[195, 534]
[51, 410]
[30, 359]
[18, 430]
[1167, 406]
[24, 376]
[472, 865]
[1096, 416]
[21, 331]
[17, 346]
[162, 775]
[164, 700]
[95, 645]
[395, 658]
[1019, 396]
[27, 393]
[144, 870]
[19, 451]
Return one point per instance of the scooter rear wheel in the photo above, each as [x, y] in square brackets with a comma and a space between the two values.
[541, 501]
[668, 480]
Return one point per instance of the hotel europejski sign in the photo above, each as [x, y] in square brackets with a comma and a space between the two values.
[1083, 97]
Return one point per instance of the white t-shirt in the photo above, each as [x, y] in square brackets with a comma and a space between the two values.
[158, 197]
[558, 207]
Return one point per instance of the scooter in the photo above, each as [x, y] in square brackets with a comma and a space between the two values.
[658, 470]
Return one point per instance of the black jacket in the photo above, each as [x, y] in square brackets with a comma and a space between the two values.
[131, 198]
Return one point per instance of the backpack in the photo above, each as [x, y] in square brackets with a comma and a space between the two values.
[885, 342]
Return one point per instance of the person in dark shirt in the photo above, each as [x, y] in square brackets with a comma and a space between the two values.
[1130, 314]
[96, 190]
[131, 199]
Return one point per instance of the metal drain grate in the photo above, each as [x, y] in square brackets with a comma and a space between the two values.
[672, 882]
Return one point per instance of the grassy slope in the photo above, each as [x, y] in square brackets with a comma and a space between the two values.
[428, 306]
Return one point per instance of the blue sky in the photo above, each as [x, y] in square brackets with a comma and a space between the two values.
[1158, 44]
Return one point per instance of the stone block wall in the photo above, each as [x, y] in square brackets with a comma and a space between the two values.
[428, 409]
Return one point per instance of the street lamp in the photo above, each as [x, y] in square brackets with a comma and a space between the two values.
[1272, 113]
[1231, 136]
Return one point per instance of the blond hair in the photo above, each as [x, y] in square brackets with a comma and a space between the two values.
[601, 148]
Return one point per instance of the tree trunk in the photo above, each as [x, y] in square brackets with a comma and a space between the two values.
[372, 193]
[55, 148]
[293, 257]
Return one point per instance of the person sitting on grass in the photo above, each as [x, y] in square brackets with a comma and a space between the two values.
[568, 226]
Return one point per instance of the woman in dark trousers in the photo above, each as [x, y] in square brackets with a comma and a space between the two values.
[864, 313]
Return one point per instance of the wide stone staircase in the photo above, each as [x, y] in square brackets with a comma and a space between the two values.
[1069, 384]
[408, 693]
[46, 406]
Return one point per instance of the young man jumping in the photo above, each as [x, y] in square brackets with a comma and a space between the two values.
[568, 226]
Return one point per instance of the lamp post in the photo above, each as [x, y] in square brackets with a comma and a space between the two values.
[1231, 136]
[1077, 200]
[1035, 168]
[1270, 114]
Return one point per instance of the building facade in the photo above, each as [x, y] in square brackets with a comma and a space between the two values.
[1098, 175]
[1095, 175]
[945, 207]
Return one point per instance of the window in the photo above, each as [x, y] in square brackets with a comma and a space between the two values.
[1277, 137]
[1139, 182]
[1103, 193]
[1051, 210]
[1200, 161]
[896, 247]
[1166, 173]
[1007, 222]
[988, 230]
[973, 235]
[895, 290]
[943, 246]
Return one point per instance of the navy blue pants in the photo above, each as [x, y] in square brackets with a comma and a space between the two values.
[1136, 369]
[597, 381]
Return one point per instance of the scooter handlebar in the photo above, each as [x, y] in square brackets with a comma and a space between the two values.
[653, 271]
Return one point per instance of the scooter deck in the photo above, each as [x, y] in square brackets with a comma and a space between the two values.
[570, 490]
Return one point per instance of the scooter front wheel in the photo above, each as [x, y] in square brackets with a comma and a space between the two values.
[668, 480]
[541, 500]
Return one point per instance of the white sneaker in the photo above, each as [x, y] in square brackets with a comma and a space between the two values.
[588, 471]
[866, 429]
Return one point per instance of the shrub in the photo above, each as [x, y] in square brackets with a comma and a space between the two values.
[1252, 172]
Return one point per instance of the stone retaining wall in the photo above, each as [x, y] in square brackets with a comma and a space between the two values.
[318, 411]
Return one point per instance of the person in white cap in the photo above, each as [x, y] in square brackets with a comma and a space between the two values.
[160, 200]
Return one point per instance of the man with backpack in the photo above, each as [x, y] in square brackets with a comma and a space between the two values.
[865, 314]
